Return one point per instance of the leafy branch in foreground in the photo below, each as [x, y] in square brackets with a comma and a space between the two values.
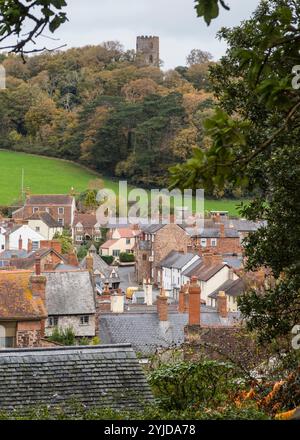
[39, 15]
[209, 9]
[254, 143]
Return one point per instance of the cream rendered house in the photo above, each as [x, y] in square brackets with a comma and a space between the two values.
[122, 240]
[44, 224]
[210, 276]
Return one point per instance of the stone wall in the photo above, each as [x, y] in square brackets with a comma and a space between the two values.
[28, 334]
[74, 322]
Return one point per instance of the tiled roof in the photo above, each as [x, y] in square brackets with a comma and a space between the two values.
[46, 218]
[16, 299]
[125, 232]
[233, 288]
[99, 376]
[176, 260]
[50, 199]
[87, 220]
[146, 333]
[108, 244]
[202, 271]
[69, 293]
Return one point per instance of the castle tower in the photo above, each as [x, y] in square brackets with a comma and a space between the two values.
[147, 49]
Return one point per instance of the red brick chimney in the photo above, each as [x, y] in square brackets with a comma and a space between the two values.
[222, 230]
[222, 304]
[38, 266]
[20, 243]
[29, 246]
[194, 302]
[72, 259]
[181, 299]
[51, 244]
[162, 306]
[207, 258]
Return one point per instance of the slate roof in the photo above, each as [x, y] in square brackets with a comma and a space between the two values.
[69, 293]
[176, 260]
[50, 199]
[46, 218]
[153, 229]
[234, 261]
[16, 299]
[202, 271]
[97, 376]
[232, 288]
[146, 333]
[8, 254]
[216, 233]
[28, 261]
[101, 267]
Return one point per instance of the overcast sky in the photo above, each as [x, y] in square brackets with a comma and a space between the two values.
[174, 21]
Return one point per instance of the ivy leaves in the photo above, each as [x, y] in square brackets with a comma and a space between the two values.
[209, 9]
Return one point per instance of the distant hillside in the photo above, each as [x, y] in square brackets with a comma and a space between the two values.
[43, 175]
[100, 106]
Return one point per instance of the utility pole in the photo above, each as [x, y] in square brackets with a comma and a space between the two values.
[22, 186]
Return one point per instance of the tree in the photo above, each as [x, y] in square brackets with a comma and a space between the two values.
[41, 15]
[66, 241]
[254, 143]
[198, 56]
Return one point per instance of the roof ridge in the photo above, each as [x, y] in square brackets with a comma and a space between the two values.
[42, 350]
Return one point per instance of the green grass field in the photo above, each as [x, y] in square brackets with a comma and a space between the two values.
[43, 175]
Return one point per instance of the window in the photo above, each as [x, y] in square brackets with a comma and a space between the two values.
[47, 210]
[84, 320]
[151, 59]
[144, 257]
[35, 210]
[61, 210]
[97, 238]
[214, 242]
[52, 321]
[2, 246]
[116, 253]
[128, 241]
[37, 229]
[79, 238]
[203, 242]
[61, 221]
[35, 245]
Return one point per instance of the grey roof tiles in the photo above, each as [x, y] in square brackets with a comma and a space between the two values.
[99, 376]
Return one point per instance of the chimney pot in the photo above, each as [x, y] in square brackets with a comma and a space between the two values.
[20, 243]
[90, 263]
[162, 306]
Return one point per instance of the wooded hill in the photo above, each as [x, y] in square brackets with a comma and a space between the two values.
[99, 106]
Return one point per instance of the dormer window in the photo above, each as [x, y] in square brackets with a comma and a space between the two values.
[35, 209]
